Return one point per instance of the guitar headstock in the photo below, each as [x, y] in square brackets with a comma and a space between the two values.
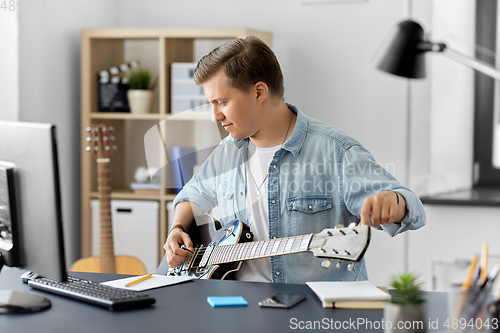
[101, 140]
[341, 243]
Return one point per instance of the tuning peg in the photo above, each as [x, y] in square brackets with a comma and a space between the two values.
[106, 148]
[111, 128]
[350, 266]
[115, 147]
[105, 138]
[88, 139]
[337, 266]
[326, 263]
[104, 129]
[96, 148]
[88, 129]
[113, 138]
[88, 148]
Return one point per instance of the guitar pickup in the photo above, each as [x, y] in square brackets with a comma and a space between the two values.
[206, 256]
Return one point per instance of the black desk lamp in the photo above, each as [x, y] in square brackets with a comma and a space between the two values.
[405, 54]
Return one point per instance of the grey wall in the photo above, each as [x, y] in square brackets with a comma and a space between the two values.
[9, 65]
[49, 75]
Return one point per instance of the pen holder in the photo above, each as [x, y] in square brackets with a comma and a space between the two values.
[494, 311]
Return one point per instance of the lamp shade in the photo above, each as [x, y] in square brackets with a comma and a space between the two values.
[401, 55]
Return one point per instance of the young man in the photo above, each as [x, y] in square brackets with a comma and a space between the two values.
[281, 172]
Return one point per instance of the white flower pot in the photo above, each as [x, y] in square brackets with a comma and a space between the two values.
[140, 101]
[406, 319]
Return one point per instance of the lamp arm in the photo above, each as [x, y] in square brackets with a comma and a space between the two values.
[480, 66]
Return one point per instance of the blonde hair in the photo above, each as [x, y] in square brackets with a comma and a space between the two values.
[246, 61]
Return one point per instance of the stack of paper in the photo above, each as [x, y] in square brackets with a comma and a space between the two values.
[350, 294]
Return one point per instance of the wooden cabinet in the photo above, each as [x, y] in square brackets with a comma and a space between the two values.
[157, 49]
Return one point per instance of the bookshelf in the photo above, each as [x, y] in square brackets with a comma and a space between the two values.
[157, 49]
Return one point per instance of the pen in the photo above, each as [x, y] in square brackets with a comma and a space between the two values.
[139, 280]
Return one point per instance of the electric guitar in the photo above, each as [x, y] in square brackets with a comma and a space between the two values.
[102, 148]
[223, 249]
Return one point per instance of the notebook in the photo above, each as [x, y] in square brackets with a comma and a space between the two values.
[346, 293]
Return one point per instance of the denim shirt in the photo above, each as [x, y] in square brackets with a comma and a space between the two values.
[318, 179]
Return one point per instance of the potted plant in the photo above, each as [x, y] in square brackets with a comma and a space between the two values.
[405, 312]
[141, 90]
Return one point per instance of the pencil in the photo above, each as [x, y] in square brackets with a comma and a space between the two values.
[484, 263]
[466, 285]
[139, 280]
[470, 273]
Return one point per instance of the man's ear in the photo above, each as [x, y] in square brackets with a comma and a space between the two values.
[261, 91]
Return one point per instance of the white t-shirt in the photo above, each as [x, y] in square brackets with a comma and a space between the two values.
[257, 166]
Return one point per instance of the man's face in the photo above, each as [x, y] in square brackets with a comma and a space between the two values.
[235, 109]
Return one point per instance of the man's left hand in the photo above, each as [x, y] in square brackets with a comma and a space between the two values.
[383, 208]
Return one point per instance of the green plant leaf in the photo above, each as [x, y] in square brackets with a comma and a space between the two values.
[407, 291]
[141, 78]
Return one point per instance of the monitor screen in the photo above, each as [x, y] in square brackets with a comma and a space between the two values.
[31, 235]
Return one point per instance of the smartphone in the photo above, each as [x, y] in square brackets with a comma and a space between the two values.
[282, 300]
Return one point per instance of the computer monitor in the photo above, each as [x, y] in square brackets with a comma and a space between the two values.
[31, 234]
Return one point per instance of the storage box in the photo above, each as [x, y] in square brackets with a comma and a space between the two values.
[135, 230]
[180, 104]
[183, 70]
[185, 94]
[187, 88]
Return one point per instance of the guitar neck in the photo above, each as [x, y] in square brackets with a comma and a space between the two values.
[260, 249]
[104, 188]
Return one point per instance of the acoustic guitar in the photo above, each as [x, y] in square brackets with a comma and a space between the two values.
[223, 249]
[102, 148]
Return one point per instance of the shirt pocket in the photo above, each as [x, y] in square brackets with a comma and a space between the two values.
[308, 214]
[225, 200]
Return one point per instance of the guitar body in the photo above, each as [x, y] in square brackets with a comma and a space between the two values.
[123, 265]
[211, 234]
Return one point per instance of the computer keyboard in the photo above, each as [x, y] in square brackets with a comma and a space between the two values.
[93, 293]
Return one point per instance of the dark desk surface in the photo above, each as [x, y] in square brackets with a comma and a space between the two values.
[184, 308]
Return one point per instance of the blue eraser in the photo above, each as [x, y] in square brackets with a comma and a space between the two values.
[216, 301]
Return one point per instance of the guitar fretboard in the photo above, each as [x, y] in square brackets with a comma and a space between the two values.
[104, 188]
[260, 249]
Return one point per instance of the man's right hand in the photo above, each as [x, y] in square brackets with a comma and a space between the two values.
[176, 255]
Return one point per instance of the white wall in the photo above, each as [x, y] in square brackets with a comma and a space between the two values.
[9, 65]
[453, 232]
